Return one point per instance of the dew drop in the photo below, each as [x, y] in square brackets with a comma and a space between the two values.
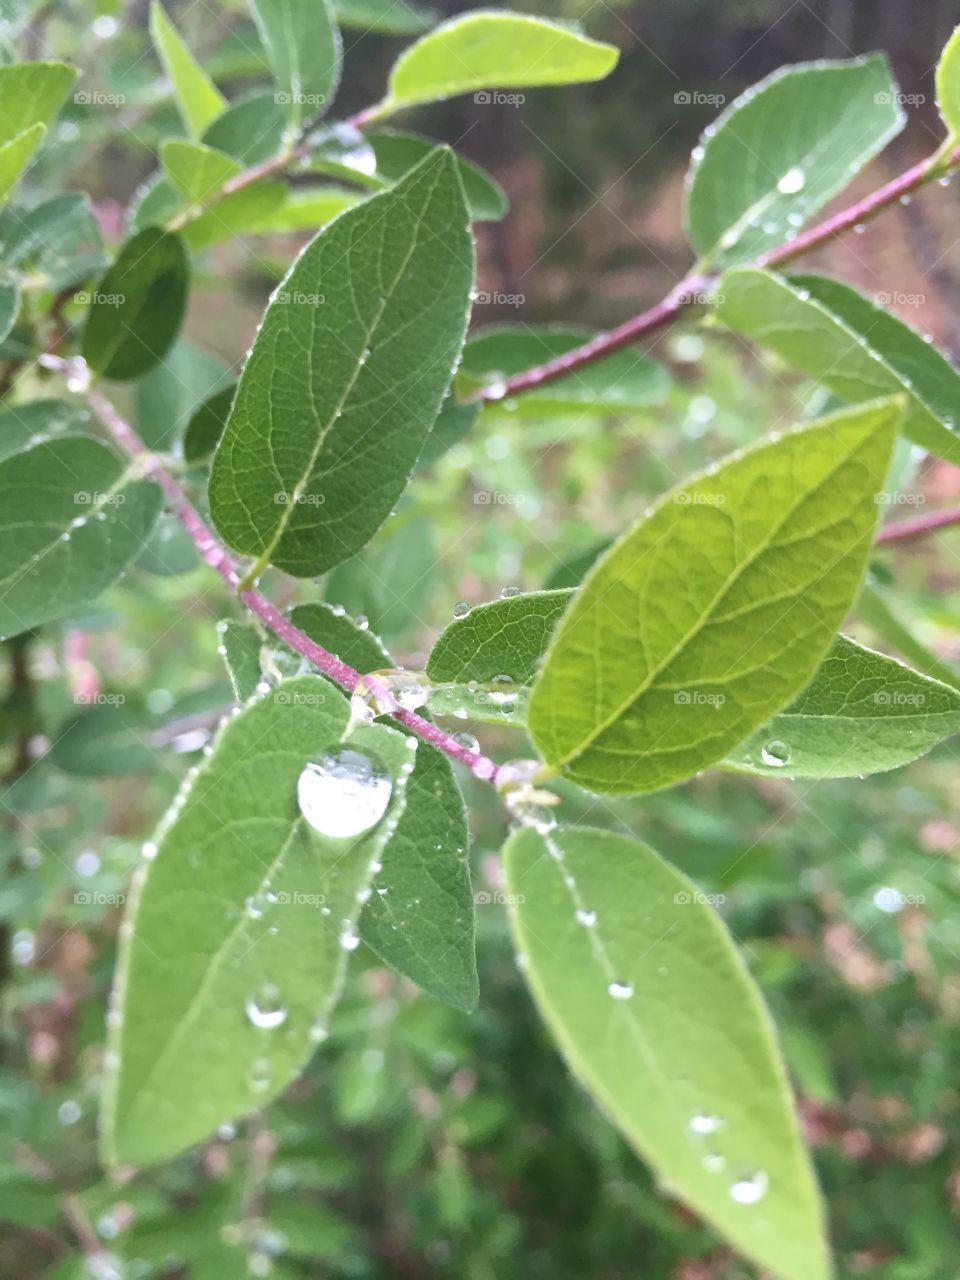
[713, 1162]
[750, 1189]
[587, 918]
[349, 938]
[703, 1122]
[467, 741]
[265, 1008]
[508, 592]
[68, 1112]
[495, 390]
[362, 622]
[775, 754]
[461, 609]
[620, 990]
[343, 793]
[793, 180]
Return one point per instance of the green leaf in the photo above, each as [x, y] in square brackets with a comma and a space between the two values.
[390, 582]
[626, 380]
[782, 150]
[655, 1012]
[31, 94]
[14, 156]
[388, 17]
[23, 425]
[397, 153]
[306, 210]
[420, 918]
[715, 610]
[494, 50]
[250, 130]
[175, 390]
[70, 523]
[948, 88]
[206, 426]
[243, 918]
[9, 305]
[318, 449]
[862, 713]
[198, 172]
[138, 306]
[852, 346]
[506, 637]
[575, 566]
[240, 649]
[105, 741]
[198, 98]
[453, 422]
[304, 48]
[246, 210]
[56, 242]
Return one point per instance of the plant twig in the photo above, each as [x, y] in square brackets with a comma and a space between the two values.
[692, 290]
[918, 527]
[217, 556]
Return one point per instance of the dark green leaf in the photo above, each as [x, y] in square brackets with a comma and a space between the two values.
[240, 649]
[23, 425]
[397, 153]
[506, 637]
[304, 48]
[206, 426]
[174, 391]
[108, 740]
[250, 129]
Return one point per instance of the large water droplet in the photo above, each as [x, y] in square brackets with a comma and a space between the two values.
[793, 180]
[750, 1189]
[461, 609]
[703, 1122]
[265, 1008]
[775, 754]
[343, 793]
[620, 990]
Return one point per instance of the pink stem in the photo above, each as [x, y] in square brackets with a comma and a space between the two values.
[919, 527]
[216, 555]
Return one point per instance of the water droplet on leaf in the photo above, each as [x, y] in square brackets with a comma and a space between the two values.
[343, 793]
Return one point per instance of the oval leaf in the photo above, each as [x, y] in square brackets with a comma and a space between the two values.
[233, 955]
[782, 150]
[199, 100]
[506, 637]
[851, 345]
[715, 610]
[656, 1014]
[138, 306]
[396, 153]
[948, 87]
[346, 376]
[70, 523]
[304, 48]
[495, 50]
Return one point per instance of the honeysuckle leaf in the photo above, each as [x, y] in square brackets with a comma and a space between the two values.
[882, 616]
[57, 242]
[240, 650]
[948, 87]
[206, 425]
[196, 171]
[420, 917]
[454, 421]
[862, 713]
[782, 150]
[376, 306]
[250, 130]
[71, 521]
[23, 425]
[851, 345]
[304, 48]
[389, 17]
[494, 49]
[199, 100]
[715, 610]
[504, 638]
[138, 306]
[31, 94]
[241, 924]
[109, 740]
[625, 380]
[657, 1016]
[15, 154]
[397, 152]
[171, 393]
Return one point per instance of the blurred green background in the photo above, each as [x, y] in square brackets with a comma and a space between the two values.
[423, 1142]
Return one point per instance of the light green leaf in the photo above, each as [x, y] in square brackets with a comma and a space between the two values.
[240, 928]
[198, 98]
[173, 391]
[238, 213]
[782, 150]
[377, 307]
[625, 380]
[862, 713]
[948, 88]
[506, 637]
[494, 50]
[852, 346]
[397, 152]
[715, 610]
[656, 1014]
[14, 156]
[453, 422]
[240, 649]
[9, 305]
[198, 172]
[420, 918]
[250, 130]
[304, 48]
[31, 94]
[105, 741]
[138, 306]
[70, 523]
[305, 210]
[388, 17]
[206, 425]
